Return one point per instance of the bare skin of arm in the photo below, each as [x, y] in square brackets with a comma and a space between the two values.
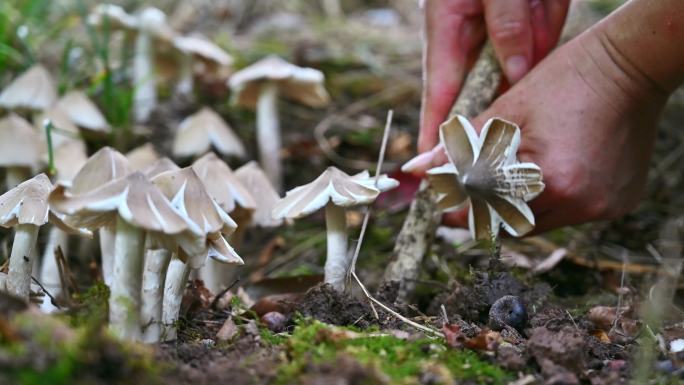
[588, 113]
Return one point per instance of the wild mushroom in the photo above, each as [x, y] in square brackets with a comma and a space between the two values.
[32, 90]
[188, 195]
[259, 85]
[136, 206]
[142, 157]
[263, 192]
[101, 168]
[197, 47]
[232, 197]
[485, 171]
[21, 148]
[197, 134]
[83, 112]
[26, 208]
[334, 190]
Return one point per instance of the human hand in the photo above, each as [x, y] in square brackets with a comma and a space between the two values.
[588, 120]
[522, 33]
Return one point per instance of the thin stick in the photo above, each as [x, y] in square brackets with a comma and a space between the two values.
[52, 299]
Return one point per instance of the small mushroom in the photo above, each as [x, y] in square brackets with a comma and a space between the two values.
[32, 90]
[227, 191]
[142, 157]
[198, 133]
[83, 112]
[26, 208]
[485, 171]
[196, 47]
[263, 193]
[334, 190]
[136, 206]
[21, 149]
[259, 85]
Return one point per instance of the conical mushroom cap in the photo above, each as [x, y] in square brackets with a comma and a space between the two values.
[21, 145]
[69, 159]
[101, 168]
[199, 132]
[153, 20]
[34, 89]
[142, 157]
[161, 165]
[222, 184]
[187, 195]
[262, 191]
[64, 130]
[116, 16]
[199, 46]
[303, 85]
[83, 112]
[333, 186]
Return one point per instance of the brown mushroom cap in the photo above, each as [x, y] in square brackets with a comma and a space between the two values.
[116, 16]
[222, 184]
[263, 193]
[83, 112]
[199, 132]
[69, 159]
[101, 168]
[34, 89]
[64, 130]
[142, 157]
[202, 48]
[161, 165]
[21, 145]
[303, 85]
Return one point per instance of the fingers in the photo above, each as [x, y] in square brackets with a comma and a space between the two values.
[453, 31]
[425, 161]
[510, 29]
[547, 19]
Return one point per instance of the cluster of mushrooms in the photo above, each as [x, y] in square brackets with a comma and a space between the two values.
[158, 223]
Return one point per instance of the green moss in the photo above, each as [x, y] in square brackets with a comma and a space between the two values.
[92, 307]
[400, 360]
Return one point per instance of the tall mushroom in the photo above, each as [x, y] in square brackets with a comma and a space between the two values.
[21, 148]
[26, 208]
[193, 48]
[32, 90]
[136, 206]
[188, 195]
[198, 133]
[259, 85]
[83, 112]
[232, 197]
[334, 190]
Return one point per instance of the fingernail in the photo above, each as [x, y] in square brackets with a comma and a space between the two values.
[516, 67]
[419, 162]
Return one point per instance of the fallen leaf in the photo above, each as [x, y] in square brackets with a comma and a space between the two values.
[228, 330]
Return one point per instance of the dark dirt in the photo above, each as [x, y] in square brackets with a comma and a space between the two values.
[328, 305]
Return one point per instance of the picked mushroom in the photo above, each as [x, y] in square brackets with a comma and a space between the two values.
[335, 190]
[26, 208]
[198, 133]
[21, 149]
[83, 112]
[32, 90]
[486, 172]
[259, 85]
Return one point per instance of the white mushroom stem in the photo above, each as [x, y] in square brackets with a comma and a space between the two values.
[268, 134]
[124, 300]
[145, 91]
[154, 276]
[107, 238]
[49, 269]
[186, 80]
[216, 275]
[19, 276]
[338, 259]
[174, 287]
[15, 175]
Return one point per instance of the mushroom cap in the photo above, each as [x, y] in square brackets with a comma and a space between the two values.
[153, 20]
[222, 184]
[21, 144]
[334, 186]
[34, 89]
[203, 48]
[186, 192]
[64, 130]
[114, 14]
[161, 165]
[198, 132]
[262, 191]
[303, 85]
[142, 157]
[69, 159]
[83, 112]
[101, 168]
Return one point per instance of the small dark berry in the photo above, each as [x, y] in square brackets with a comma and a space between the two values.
[508, 310]
[274, 321]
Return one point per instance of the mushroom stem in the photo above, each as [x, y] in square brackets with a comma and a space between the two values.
[186, 81]
[19, 275]
[15, 175]
[154, 276]
[338, 259]
[49, 270]
[107, 238]
[174, 286]
[124, 300]
[144, 92]
[268, 134]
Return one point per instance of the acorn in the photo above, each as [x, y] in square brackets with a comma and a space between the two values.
[508, 310]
